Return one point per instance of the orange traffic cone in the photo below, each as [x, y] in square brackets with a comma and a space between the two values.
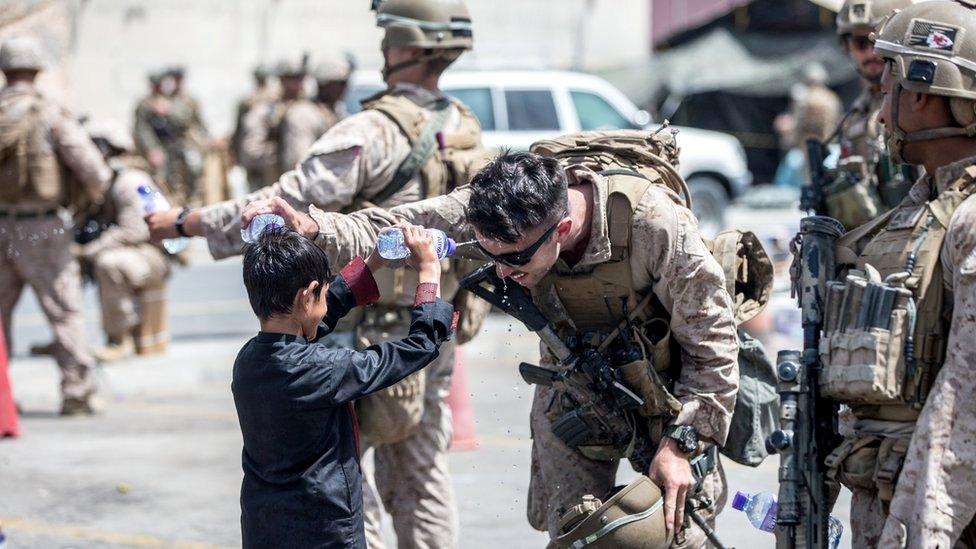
[459, 399]
[9, 424]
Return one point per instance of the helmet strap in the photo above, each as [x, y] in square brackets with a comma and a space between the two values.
[899, 137]
[390, 69]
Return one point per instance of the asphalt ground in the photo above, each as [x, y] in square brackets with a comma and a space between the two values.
[159, 466]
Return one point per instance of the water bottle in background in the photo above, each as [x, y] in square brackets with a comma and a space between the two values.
[391, 244]
[259, 224]
[154, 201]
[760, 509]
[3, 540]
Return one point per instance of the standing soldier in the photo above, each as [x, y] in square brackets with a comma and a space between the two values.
[898, 328]
[194, 141]
[332, 80]
[877, 185]
[594, 248]
[816, 108]
[152, 128]
[119, 255]
[409, 142]
[929, 115]
[264, 93]
[278, 134]
[46, 156]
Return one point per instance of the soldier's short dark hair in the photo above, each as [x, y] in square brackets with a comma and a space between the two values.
[277, 266]
[516, 192]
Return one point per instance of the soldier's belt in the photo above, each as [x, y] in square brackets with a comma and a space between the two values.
[27, 214]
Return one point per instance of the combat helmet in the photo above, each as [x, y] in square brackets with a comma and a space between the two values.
[632, 518]
[334, 67]
[21, 53]
[865, 15]
[443, 27]
[931, 51]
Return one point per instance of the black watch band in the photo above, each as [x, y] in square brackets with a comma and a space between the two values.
[685, 435]
[180, 219]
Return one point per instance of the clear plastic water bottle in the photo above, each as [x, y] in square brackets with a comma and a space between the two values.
[3, 540]
[154, 201]
[259, 224]
[760, 509]
[391, 244]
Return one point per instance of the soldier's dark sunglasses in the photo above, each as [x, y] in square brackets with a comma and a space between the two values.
[517, 259]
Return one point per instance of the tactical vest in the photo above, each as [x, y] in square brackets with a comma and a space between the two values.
[29, 168]
[885, 331]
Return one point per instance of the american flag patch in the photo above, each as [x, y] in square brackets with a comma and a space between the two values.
[933, 35]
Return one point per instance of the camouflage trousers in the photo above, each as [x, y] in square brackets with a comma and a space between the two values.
[561, 476]
[37, 253]
[410, 478]
[121, 273]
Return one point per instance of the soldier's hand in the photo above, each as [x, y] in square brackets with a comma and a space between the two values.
[671, 471]
[162, 224]
[300, 222]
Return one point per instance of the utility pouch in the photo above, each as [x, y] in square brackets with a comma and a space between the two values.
[853, 199]
[855, 462]
[891, 457]
[866, 341]
[392, 414]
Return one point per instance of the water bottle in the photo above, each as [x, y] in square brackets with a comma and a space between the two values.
[154, 201]
[3, 540]
[259, 224]
[761, 512]
[391, 245]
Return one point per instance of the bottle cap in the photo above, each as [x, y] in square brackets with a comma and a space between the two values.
[740, 500]
[451, 247]
[144, 189]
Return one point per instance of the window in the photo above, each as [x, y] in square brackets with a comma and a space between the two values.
[596, 114]
[531, 110]
[479, 101]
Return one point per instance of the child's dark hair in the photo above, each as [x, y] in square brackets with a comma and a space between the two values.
[277, 266]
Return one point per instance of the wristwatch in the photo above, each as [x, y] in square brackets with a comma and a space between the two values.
[180, 219]
[685, 435]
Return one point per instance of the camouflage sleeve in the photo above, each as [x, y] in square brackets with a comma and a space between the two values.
[78, 153]
[143, 133]
[934, 500]
[670, 256]
[346, 236]
[129, 228]
[357, 154]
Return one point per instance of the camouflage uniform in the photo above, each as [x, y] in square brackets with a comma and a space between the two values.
[350, 164]
[667, 257]
[257, 99]
[816, 114]
[35, 247]
[277, 135]
[122, 259]
[172, 125]
[934, 501]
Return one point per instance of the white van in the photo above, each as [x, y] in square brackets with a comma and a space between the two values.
[517, 108]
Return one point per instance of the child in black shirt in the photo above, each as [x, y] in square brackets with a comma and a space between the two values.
[294, 396]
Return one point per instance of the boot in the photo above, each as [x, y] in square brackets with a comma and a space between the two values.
[118, 347]
[43, 349]
[72, 406]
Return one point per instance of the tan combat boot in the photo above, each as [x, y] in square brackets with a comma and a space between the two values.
[118, 347]
[72, 406]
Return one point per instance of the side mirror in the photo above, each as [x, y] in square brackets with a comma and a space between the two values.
[641, 118]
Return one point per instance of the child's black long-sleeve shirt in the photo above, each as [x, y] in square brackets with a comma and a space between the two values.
[294, 398]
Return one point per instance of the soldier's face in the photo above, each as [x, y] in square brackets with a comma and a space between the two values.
[549, 244]
[869, 64]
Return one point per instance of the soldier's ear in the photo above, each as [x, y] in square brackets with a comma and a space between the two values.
[564, 226]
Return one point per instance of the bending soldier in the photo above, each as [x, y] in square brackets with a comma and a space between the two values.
[48, 163]
[587, 245]
[409, 142]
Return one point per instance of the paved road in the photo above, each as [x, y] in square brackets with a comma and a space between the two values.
[160, 466]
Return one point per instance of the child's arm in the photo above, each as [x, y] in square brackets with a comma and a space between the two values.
[353, 375]
[354, 286]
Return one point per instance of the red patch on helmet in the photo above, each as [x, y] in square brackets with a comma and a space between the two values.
[939, 40]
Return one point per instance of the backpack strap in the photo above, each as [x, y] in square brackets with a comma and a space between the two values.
[625, 189]
[423, 145]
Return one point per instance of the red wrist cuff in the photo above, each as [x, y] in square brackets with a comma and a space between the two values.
[360, 281]
[426, 293]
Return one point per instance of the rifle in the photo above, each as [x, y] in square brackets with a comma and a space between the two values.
[812, 196]
[602, 410]
[808, 421]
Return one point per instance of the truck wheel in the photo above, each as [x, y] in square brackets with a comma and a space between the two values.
[708, 202]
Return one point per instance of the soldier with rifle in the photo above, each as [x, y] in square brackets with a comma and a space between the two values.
[866, 182]
[641, 359]
[896, 324]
